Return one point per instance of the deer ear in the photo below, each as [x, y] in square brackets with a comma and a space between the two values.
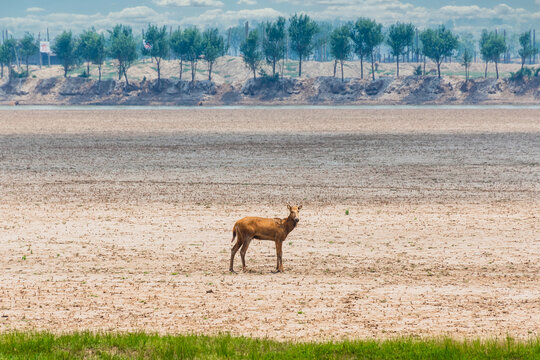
[289, 207]
[300, 207]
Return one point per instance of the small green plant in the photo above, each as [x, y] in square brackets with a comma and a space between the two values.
[24, 257]
[347, 212]
[521, 74]
[418, 70]
[174, 273]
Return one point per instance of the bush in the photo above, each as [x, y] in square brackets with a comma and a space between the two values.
[537, 72]
[418, 70]
[22, 74]
[525, 72]
[84, 74]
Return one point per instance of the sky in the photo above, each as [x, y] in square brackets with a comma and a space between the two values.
[18, 16]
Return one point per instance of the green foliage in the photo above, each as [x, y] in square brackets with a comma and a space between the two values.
[123, 48]
[7, 54]
[527, 49]
[42, 345]
[65, 48]
[438, 44]
[367, 35]
[213, 47]
[28, 47]
[418, 70]
[91, 48]
[524, 72]
[179, 47]
[340, 44]
[492, 45]
[466, 61]
[400, 36]
[273, 42]
[193, 39]
[251, 52]
[301, 32]
[158, 40]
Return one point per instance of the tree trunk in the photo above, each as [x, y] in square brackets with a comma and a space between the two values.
[65, 70]
[193, 71]
[397, 64]
[424, 73]
[210, 63]
[485, 72]
[439, 69]
[254, 74]
[373, 66]
[274, 67]
[88, 68]
[522, 62]
[2, 70]
[158, 63]
[99, 69]
[341, 70]
[335, 67]
[125, 76]
[181, 69]
[300, 67]
[497, 69]
[27, 66]
[361, 67]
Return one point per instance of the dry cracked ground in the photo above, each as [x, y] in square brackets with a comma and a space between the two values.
[121, 220]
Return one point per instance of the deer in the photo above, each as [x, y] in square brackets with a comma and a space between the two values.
[275, 229]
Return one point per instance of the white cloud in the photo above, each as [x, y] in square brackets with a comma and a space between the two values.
[184, 3]
[253, 2]
[137, 17]
[230, 17]
[34, 9]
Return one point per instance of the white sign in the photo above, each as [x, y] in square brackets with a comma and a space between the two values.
[45, 47]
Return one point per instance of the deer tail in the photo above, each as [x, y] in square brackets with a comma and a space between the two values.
[233, 233]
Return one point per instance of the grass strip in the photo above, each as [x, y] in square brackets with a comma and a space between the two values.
[88, 345]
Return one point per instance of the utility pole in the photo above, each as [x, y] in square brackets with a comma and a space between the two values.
[49, 53]
[39, 42]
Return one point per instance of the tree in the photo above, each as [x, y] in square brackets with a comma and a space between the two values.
[29, 47]
[64, 47]
[274, 42]
[340, 45]
[400, 36]
[301, 31]
[466, 62]
[7, 55]
[438, 44]
[193, 48]
[251, 53]
[367, 35]
[179, 46]
[213, 47]
[235, 36]
[98, 52]
[527, 48]
[156, 45]
[123, 48]
[492, 45]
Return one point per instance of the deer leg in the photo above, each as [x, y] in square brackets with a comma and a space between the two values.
[279, 266]
[243, 252]
[233, 252]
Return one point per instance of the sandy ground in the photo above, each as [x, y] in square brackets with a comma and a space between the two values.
[121, 220]
[231, 69]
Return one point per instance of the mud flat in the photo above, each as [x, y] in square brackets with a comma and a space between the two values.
[121, 220]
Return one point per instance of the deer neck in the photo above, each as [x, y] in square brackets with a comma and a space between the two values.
[289, 224]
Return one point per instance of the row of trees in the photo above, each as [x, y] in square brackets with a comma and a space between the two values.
[268, 43]
[363, 38]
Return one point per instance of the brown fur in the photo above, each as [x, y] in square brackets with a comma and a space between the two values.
[276, 229]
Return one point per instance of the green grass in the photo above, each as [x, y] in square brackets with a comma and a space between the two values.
[21, 345]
